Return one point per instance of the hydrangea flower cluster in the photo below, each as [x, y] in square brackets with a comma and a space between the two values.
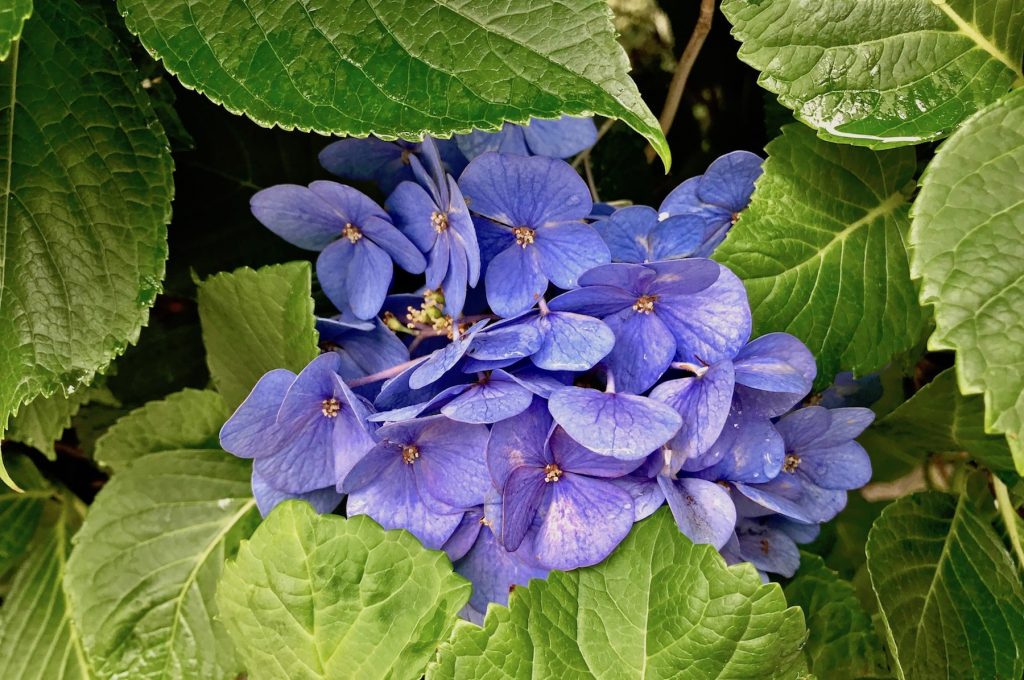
[559, 376]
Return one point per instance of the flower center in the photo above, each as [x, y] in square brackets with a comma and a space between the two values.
[406, 154]
[410, 452]
[330, 407]
[552, 473]
[791, 463]
[524, 236]
[645, 304]
[440, 221]
[351, 232]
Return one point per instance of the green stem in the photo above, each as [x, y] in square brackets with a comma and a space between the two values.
[1009, 515]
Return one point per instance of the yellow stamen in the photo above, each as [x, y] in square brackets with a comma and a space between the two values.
[330, 407]
[524, 236]
[351, 232]
[791, 463]
[440, 221]
[410, 452]
[552, 473]
[645, 304]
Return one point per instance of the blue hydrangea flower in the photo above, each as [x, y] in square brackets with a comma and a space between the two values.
[386, 163]
[767, 377]
[558, 138]
[362, 352]
[304, 432]
[694, 311]
[555, 493]
[533, 210]
[822, 461]
[635, 234]
[432, 212]
[846, 390]
[356, 238]
[421, 476]
[703, 510]
[712, 202]
[494, 571]
[267, 497]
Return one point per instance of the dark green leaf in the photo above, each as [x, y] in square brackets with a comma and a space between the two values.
[37, 638]
[312, 597]
[397, 67]
[842, 644]
[42, 421]
[659, 607]
[950, 597]
[86, 191]
[882, 72]
[254, 322]
[821, 251]
[20, 512]
[938, 419]
[190, 419]
[12, 17]
[142, 577]
[967, 246]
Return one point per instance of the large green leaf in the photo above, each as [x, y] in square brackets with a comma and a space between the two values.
[949, 595]
[85, 191]
[20, 512]
[13, 14]
[38, 640]
[397, 67]
[659, 607]
[190, 419]
[842, 643]
[882, 72]
[42, 421]
[938, 419]
[254, 322]
[311, 597]
[967, 247]
[821, 251]
[142, 577]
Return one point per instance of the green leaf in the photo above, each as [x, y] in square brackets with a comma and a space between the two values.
[397, 67]
[949, 595]
[882, 73]
[254, 322]
[20, 512]
[821, 251]
[142, 577]
[190, 419]
[658, 607]
[313, 596]
[12, 17]
[42, 421]
[85, 191]
[967, 247]
[938, 419]
[842, 643]
[38, 640]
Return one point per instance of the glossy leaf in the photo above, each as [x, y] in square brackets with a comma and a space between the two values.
[949, 595]
[882, 73]
[397, 67]
[314, 596]
[967, 246]
[254, 322]
[42, 421]
[822, 255]
[142, 577]
[12, 17]
[659, 607]
[937, 419]
[38, 640]
[86, 189]
[842, 643]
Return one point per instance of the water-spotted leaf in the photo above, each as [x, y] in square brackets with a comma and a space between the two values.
[314, 597]
[822, 254]
[85, 191]
[882, 72]
[967, 248]
[659, 607]
[949, 595]
[397, 67]
[254, 322]
[142, 576]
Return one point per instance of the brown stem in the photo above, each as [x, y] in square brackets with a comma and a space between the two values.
[683, 68]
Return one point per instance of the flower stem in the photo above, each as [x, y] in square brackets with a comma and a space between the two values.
[1009, 515]
[383, 375]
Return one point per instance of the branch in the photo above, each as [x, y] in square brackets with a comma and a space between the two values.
[683, 68]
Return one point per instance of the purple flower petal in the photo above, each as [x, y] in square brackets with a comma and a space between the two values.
[351, 205]
[619, 425]
[495, 399]
[729, 180]
[412, 207]
[843, 467]
[460, 542]
[455, 279]
[795, 497]
[365, 160]
[643, 350]
[627, 232]
[846, 423]
[519, 442]
[634, 279]
[678, 236]
[560, 138]
[251, 429]
[748, 450]
[540, 382]
[646, 492]
[405, 254]
[521, 497]
[571, 342]
[703, 510]
[703, 402]
[332, 267]
[352, 437]
[773, 373]
[505, 342]
[444, 359]
[570, 456]
[494, 571]
[683, 199]
[594, 300]
[297, 215]
[509, 139]
[677, 280]
[514, 281]
[461, 224]
[582, 522]
[369, 277]
[767, 548]
[267, 497]
[566, 251]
